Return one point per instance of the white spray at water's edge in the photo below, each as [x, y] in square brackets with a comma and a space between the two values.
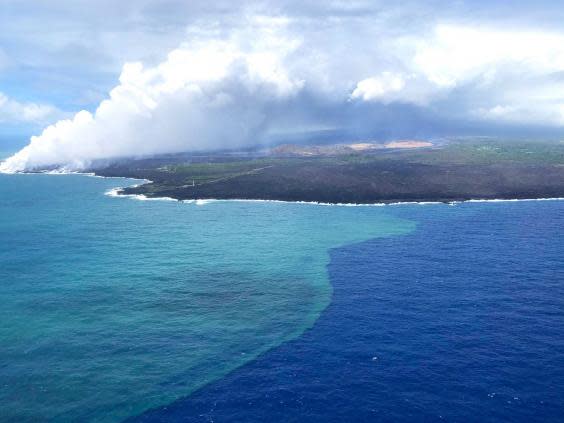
[117, 192]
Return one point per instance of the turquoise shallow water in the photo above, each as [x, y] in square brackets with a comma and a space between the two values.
[112, 306]
[461, 320]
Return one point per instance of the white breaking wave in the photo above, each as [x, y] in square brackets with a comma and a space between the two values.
[501, 200]
[116, 192]
[398, 203]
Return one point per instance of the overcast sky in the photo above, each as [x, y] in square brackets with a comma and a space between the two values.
[194, 73]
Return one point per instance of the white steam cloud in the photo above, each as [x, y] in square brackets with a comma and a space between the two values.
[216, 92]
[204, 96]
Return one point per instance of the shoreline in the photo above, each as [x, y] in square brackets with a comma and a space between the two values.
[117, 193]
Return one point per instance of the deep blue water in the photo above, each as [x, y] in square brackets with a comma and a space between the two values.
[461, 320]
[116, 309]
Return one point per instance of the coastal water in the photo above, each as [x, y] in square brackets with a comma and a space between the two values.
[116, 309]
[461, 320]
[110, 307]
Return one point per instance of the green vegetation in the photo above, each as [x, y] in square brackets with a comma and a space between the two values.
[479, 152]
[460, 170]
[202, 173]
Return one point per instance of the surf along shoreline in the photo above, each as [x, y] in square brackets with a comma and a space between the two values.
[342, 175]
[452, 173]
[121, 192]
[124, 191]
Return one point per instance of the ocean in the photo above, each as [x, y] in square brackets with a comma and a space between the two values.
[115, 309]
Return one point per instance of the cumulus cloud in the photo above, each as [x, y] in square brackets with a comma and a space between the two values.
[384, 87]
[454, 53]
[235, 87]
[490, 75]
[12, 111]
[503, 75]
